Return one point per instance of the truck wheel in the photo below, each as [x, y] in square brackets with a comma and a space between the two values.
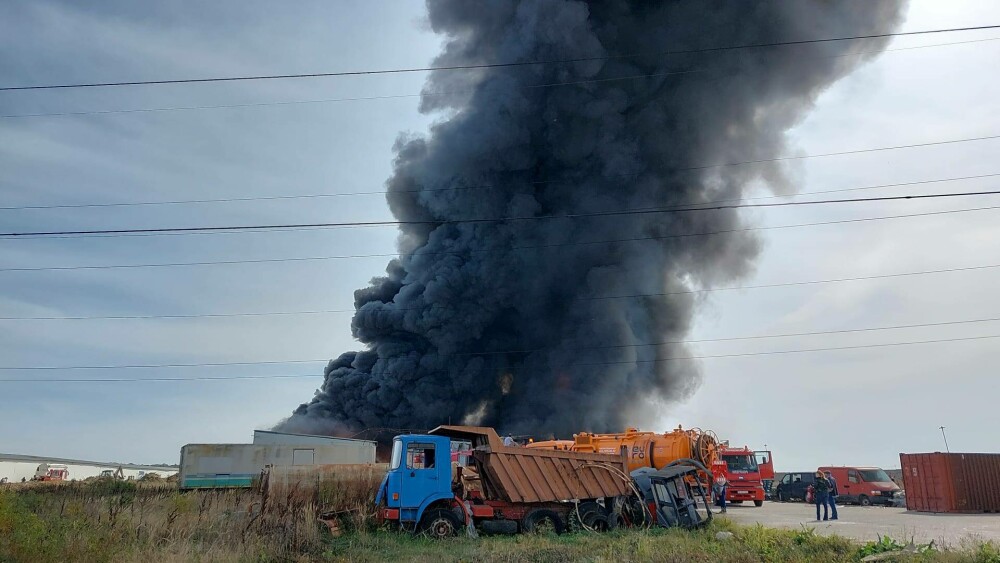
[758, 503]
[440, 523]
[581, 518]
[542, 521]
[863, 500]
[635, 512]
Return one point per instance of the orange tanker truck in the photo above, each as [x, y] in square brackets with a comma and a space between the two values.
[644, 449]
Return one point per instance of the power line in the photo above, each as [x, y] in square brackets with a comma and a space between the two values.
[300, 227]
[437, 94]
[532, 183]
[127, 379]
[796, 351]
[518, 351]
[515, 248]
[331, 311]
[443, 253]
[518, 368]
[638, 211]
[434, 190]
[663, 237]
[350, 224]
[491, 65]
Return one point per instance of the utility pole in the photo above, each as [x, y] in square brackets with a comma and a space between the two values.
[945, 436]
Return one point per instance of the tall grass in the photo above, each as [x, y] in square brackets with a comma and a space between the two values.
[114, 521]
[127, 521]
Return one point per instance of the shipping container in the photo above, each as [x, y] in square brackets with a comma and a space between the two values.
[951, 482]
[238, 465]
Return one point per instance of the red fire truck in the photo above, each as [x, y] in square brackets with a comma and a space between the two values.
[746, 471]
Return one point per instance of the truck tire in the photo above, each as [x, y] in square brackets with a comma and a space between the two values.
[863, 500]
[542, 520]
[758, 503]
[636, 512]
[440, 523]
[582, 517]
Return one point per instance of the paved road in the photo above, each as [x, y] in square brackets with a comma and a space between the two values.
[866, 523]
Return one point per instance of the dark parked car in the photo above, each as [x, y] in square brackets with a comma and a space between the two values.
[793, 486]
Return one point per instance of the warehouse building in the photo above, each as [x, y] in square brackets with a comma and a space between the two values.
[14, 467]
[238, 465]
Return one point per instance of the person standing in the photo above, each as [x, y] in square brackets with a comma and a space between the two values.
[834, 493]
[509, 441]
[721, 484]
[821, 495]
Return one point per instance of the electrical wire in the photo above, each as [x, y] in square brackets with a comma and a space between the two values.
[531, 183]
[495, 65]
[518, 368]
[628, 212]
[435, 253]
[517, 351]
[439, 94]
[332, 311]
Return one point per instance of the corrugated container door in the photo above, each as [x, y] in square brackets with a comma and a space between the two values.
[928, 483]
[979, 477]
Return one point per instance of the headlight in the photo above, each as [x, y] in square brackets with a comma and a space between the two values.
[876, 493]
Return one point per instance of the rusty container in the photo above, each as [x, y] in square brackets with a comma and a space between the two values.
[518, 474]
[951, 482]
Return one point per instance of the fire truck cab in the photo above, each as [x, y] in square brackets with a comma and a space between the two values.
[746, 472]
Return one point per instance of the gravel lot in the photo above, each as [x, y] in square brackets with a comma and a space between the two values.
[866, 523]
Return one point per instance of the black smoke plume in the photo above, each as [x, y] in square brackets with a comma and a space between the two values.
[506, 323]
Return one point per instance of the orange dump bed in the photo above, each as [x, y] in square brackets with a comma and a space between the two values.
[517, 474]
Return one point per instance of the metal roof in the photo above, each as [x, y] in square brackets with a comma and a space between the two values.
[312, 436]
[67, 461]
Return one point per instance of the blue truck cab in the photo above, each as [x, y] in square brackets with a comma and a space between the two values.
[419, 475]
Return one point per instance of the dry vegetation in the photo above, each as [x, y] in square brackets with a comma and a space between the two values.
[153, 521]
[117, 521]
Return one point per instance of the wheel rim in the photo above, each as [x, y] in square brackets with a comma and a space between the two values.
[441, 528]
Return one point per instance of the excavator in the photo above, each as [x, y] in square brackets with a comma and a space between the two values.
[114, 474]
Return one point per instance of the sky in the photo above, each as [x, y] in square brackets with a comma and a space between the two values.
[860, 406]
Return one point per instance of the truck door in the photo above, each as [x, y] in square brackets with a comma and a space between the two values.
[420, 477]
[765, 464]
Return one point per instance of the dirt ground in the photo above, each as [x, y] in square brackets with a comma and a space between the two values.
[866, 523]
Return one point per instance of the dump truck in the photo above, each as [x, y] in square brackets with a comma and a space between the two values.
[504, 489]
[644, 449]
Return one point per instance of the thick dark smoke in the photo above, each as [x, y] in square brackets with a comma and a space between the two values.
[497, 323]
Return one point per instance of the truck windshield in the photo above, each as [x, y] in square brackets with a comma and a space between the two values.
[397, 454]
[740, 462]
[874, 476]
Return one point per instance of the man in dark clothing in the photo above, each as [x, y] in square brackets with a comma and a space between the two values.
[834, 493]
[821, 494]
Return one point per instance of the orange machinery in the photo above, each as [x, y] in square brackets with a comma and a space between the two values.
[644, 449]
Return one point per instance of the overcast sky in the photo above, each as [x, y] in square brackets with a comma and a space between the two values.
[856, 406]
